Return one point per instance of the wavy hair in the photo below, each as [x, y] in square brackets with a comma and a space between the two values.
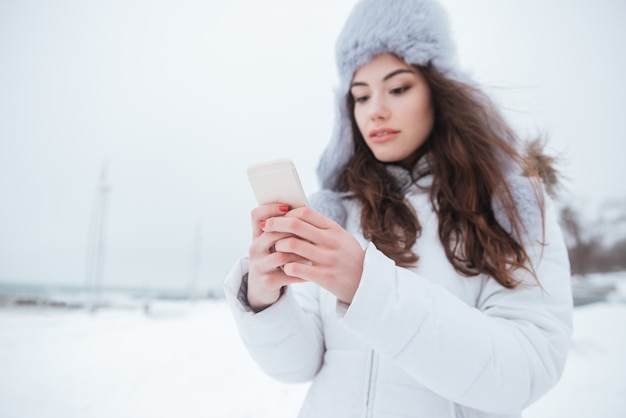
[469, 144]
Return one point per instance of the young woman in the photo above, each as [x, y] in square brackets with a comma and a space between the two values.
[429, 278]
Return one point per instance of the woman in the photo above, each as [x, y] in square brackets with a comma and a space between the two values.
[429, 278]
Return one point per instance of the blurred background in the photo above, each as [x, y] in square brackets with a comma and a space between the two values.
[126, 128]
[151, 111]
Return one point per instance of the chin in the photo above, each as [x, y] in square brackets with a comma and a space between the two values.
[389, 159]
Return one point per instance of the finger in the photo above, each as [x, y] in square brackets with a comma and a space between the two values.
[264, 212]
[263, 289]
[292, 227]
[270, 277]
[264, 258]
[304, 271]
[265, 244]
[312, 217]
[277, 260]
[299, 247]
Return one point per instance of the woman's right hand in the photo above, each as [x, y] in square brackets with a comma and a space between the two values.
[266, 277]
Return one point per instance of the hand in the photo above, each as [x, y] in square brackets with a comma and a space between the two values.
[265, 276]
[333, 257]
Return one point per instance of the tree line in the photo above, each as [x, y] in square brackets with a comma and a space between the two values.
[597, 245]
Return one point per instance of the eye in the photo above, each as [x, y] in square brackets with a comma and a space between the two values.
[361, 99]
[399, 90]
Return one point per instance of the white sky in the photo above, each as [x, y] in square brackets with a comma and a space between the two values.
[180, 96]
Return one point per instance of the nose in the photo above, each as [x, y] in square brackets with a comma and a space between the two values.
[379, 108]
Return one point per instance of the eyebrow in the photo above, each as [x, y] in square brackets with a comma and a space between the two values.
[385, 78]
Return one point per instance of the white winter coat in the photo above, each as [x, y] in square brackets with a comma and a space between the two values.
[423, 342]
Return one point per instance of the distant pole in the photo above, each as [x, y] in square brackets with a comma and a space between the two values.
[94, 264]
[196, 263]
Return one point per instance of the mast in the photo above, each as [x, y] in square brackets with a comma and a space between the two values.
[94, 263]
[196, 263]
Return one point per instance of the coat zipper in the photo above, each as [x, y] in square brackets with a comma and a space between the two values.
[369, 401]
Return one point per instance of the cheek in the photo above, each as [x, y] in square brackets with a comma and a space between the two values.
[424, 115]
[360, 121]
[428, 119]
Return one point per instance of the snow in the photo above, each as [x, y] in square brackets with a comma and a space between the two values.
[185, 359]
[594, 381]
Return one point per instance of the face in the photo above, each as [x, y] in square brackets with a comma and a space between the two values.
[392, 108]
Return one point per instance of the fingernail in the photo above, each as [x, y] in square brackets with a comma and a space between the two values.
[283, 208]
[262, 224]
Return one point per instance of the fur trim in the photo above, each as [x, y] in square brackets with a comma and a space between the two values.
[543, 165]
[527, 191]
[328, 203]
[526, 200]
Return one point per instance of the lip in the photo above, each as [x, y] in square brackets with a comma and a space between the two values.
[383, 135]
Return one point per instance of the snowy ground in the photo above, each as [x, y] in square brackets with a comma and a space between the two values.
[186, 360]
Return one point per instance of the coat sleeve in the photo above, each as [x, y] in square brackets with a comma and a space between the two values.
[496, 357]
[284, 339]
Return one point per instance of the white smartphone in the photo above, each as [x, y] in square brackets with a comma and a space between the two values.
[277, 181]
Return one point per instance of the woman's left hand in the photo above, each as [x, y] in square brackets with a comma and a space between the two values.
[335, 257]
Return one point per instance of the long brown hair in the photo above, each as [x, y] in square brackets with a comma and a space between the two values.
[467, 148]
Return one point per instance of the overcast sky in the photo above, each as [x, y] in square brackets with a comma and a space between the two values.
[179, 97]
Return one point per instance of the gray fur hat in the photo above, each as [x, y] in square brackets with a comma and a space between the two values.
[416, 30]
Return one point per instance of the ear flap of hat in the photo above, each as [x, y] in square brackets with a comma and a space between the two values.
[340, 148]
[524, 192]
